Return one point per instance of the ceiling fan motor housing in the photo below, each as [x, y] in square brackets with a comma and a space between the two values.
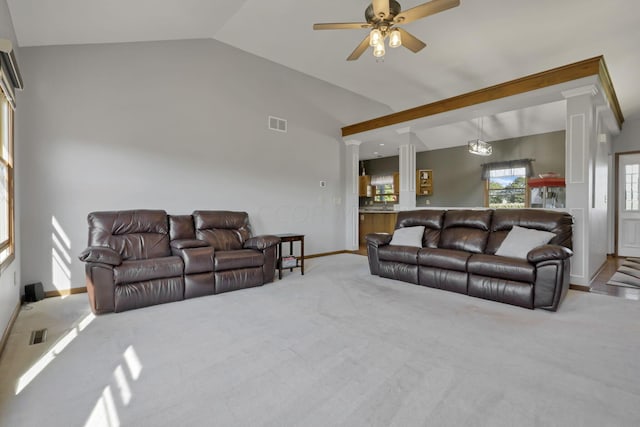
[372, 18]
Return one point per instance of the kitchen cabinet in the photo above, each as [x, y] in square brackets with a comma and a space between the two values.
[376, 222]
[364, 186]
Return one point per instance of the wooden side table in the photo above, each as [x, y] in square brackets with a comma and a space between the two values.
[291, 237]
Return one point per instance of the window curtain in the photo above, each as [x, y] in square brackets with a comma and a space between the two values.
[527, 164]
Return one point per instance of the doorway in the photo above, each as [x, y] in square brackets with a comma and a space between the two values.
[628, 204]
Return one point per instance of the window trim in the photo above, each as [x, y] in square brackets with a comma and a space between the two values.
[10, 243]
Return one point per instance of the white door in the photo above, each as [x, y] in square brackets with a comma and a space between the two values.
[629, 205]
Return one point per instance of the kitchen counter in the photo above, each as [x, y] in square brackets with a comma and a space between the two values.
[377, 211]
[380, 208]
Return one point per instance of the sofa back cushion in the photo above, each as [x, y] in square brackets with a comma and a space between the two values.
[181, 227]
[466, 230]
[224, 230]
[134, 234]
[559, 223]
[432, 221]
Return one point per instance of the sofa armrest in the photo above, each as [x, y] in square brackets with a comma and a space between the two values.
[100, 287]
[188, 244]
[261, 242]
[101, 254]
[375, 240]
[378, 239]
[548, 252]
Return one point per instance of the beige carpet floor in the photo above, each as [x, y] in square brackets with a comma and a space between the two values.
[335, 347]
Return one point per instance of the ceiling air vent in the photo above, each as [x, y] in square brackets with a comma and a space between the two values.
[38, 336]
[277, 124]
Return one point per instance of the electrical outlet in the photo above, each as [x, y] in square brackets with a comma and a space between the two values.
[323, 184]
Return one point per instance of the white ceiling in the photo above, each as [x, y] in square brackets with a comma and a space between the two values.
[475, 45]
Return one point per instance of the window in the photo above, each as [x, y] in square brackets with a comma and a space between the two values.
[506, 183]
[7, 244]
[507, 188]
[385, 191]
[631, 173]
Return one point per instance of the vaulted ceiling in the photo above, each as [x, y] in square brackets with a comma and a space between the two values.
[475, 45]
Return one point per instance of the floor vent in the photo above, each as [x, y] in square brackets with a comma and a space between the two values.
[277, 124]
[38, 336]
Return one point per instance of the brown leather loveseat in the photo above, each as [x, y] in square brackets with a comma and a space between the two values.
[139, 258]
[460, 252]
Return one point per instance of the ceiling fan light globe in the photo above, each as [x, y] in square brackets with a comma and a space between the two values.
[375, 37]
[378, 49]
[395, 39]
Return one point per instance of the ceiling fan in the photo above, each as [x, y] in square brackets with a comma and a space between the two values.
[382, 16]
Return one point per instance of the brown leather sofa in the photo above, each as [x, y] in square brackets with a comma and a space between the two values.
[139, 258]
[458, 254]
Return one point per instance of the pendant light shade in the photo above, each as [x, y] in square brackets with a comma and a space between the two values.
[478, 146]
[375, 37]
[378, 49]
[395, 39]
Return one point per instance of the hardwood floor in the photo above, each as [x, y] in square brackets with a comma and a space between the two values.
[361, 251]
[599, 284]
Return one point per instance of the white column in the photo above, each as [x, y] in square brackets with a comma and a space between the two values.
[407, 168]
[352, 158]
[581, 137]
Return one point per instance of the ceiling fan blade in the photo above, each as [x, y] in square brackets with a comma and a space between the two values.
[410, 42]
[380, 8]
[342, 26]
[359, 50]
[425, 10]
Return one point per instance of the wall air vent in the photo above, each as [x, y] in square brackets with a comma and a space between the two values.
[277, 124]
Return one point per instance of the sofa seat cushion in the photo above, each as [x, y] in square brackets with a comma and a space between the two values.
[449, 259]
[501, 267]
[403, 254]
[147, 269]
[243, 258]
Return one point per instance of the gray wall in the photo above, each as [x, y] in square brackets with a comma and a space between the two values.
[629, 137]
[176, 126]
[382, 166]
[10, 277]
[456, 173]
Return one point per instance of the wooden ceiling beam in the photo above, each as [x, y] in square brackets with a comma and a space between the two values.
[589, 67]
